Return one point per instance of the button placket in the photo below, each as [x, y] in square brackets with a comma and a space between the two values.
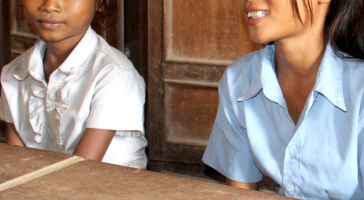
[290, 188]
[59, 142]
[50, 103]
[49, 108]
[292, 148]
[292, 167]
[51, 90]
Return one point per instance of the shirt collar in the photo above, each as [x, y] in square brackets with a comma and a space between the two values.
[266, 79]
[73, 61]
[329, 80]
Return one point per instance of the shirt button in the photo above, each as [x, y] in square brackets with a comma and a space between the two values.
[59, 142]
[290, 188]
[292, 148]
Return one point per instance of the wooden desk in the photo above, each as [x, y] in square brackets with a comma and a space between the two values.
[94, 180]
[17, 161]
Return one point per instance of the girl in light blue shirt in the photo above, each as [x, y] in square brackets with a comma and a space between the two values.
[294, 111]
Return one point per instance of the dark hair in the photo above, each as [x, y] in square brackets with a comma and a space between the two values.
[344, 27]
[345, 22]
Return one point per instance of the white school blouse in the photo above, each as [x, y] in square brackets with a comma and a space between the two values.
[96, 87]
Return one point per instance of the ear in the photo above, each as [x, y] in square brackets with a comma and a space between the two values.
[99, 7]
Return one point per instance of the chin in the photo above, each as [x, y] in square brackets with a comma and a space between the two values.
[51, 37]
[259, 40]
[261, 36]
[48, 39]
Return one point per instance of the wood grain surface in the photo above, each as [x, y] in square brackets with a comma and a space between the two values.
[17, 161]
[95, 180]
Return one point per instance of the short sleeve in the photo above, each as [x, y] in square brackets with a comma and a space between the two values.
[228, 149]
[5, 114]
[118, 104]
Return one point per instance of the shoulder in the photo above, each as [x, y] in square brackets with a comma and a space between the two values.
[353, 83]
[353, 72]
[18, 66]
[245, 66]
[355, 65]
[111, 64]
[110, 55]
[247, 63]
[240, 74]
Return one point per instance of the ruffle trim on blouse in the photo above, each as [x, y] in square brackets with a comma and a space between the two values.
[45, 115]
[37, 109]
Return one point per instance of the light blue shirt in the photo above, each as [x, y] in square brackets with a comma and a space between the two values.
[319, 158]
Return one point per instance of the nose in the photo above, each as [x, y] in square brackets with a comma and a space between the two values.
[50, 6]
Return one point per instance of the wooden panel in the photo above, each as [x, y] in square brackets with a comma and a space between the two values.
[185, 124]
[188, 72]
[22, 35]
[110, 23]
[19, 23]
[190, 43]
[2, 132]
[205, 31]
[21, 42]
[5, 14]
[4, 46]
[2, 32]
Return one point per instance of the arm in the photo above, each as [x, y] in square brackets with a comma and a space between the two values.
[249, 186]
[94, 143]
[12, 136]
[228, 150]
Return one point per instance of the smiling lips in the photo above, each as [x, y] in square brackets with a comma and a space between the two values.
[50, 24]
[257, 14]
[255, 17]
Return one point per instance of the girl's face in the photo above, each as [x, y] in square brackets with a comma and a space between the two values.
[273, 20]
[59, 20]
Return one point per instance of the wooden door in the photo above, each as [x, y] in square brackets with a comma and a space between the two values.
[4, 46]
[190, 43]
[3, 32]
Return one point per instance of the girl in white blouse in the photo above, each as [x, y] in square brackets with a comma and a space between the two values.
[72, 92]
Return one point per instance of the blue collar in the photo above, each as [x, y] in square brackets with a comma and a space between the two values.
[329, 79]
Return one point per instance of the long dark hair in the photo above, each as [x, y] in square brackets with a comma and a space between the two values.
[344, 27]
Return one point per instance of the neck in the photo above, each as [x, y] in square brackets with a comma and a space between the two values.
[297, 64]
[300, 57]
[56, 53]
